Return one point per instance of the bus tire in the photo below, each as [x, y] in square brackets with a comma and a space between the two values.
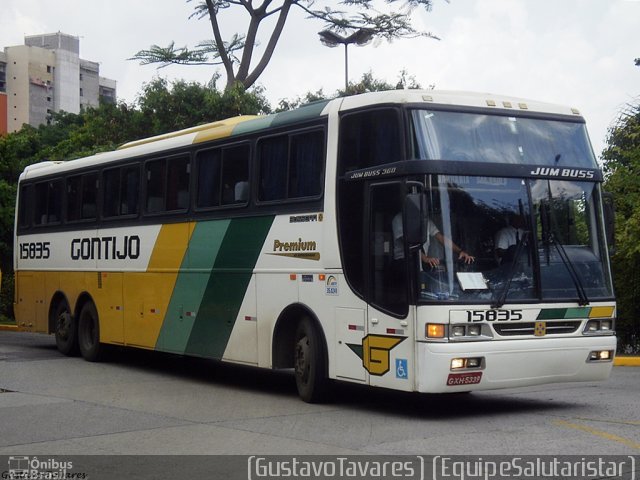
[65, 329]
[309, 361]
[89, 333]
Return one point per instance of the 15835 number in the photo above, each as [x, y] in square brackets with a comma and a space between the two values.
[493, 315]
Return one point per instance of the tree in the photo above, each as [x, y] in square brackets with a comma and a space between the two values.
[236, 55]
[160, 108]
[622, 170]
[366, 84]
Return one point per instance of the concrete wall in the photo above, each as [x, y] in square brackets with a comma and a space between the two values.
[4, 127]
[27, 67]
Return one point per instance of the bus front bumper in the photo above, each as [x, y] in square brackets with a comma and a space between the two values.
[511, 363]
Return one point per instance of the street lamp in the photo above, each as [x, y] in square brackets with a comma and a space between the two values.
[360, 37]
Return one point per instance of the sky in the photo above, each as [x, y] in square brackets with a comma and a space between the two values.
[578, 53]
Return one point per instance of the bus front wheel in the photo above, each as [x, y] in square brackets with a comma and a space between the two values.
[310, 363]
[89, 333]
[65, 330]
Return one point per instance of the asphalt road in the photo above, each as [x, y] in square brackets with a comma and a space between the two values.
[145, 403]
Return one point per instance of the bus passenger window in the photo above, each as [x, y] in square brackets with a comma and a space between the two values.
[155, 200]
[178, 184]
[306, 164]
[235, 174]
[81, 197]
[274, 154]
[48, 207]
[208, 164]
[121, 187]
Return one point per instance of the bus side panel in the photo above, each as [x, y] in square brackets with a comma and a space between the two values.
[214, 279]
[243, 341]
[191, 284]
[28, 292]
[147, 295]
[227, 286]
[109, 303]
[276, 291]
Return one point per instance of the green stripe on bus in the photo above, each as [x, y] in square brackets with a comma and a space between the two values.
[579, 312]
[551, 313]
[225, 290]
[191, 283]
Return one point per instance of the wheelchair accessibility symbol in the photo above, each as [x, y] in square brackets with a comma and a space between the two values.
[401, 368]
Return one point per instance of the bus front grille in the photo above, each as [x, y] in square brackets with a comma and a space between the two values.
[528, 328]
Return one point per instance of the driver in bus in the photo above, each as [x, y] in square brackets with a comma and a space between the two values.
[432, 231]
[433, 262]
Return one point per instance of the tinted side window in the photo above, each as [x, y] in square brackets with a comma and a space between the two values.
[291, 166]
[235, 174]
[121, 188]
[274, 160]
[368, 139]
[156, 184]
[306, 164]
[208, 164]
[82, 197]
[48, 205]
[178, 183]
[26, 204]
[223, 176]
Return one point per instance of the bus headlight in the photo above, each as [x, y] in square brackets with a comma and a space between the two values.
[474, 330]
[602, 327]
[471, 363]
[457, 330]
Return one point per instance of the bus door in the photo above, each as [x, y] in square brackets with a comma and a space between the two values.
[388, 350]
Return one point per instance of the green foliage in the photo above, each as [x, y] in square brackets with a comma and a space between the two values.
[161, 107]
[622, 170]
[366, 84]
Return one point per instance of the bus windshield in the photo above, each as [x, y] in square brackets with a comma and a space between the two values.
[531, 240]
[458, 136]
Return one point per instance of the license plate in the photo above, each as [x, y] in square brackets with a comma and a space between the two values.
[471, 378]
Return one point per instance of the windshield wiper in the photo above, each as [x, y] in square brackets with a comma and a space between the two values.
[512, 270]
[562, 253]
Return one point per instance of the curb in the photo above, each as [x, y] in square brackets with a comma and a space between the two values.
[8, 328]
[626, 362]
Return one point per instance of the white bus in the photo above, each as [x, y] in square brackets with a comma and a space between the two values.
[413, 240]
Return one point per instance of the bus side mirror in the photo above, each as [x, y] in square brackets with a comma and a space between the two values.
[415, 208]
[609, 210]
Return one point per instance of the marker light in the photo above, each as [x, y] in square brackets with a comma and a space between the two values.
[435, 330]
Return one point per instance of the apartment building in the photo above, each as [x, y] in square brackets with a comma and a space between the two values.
[47, 75]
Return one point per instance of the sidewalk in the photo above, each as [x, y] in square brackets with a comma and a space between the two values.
[8, 328]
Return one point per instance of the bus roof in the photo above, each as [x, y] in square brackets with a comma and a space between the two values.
[245, 124]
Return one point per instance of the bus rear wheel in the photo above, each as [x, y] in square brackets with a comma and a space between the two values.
[310, 363]
[89, 333]
[65, 329]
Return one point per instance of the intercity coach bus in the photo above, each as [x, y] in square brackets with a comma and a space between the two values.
[413, 240]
